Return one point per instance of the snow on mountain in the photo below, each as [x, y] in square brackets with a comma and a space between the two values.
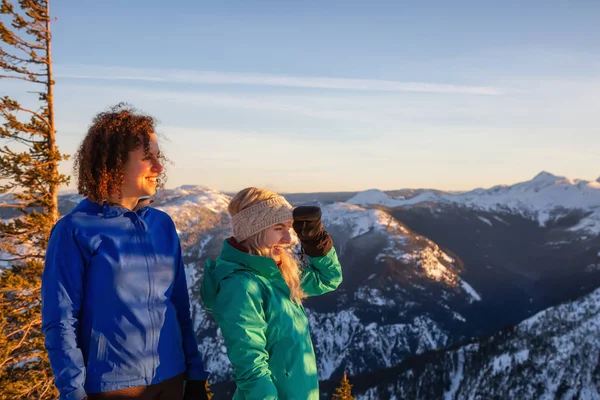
[178, 200]
[552, 355]
[402, 244]
[397, 297]
[371, 196]
[544, 198]
[396, 300]
[356, 344]
[377, 197]
[542, 195]
[470, 290]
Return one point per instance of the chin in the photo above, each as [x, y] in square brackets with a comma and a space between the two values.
[149, 192]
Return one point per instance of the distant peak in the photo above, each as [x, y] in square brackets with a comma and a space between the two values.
[372, 191]
[194, 187]
[546, 178]
[370, 196]
[598, 180]
[544, 175]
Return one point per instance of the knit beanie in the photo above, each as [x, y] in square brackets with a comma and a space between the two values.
[260, 216]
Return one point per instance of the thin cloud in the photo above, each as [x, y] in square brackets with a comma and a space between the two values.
[218, 78]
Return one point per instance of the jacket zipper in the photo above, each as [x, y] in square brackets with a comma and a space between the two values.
[145, 248]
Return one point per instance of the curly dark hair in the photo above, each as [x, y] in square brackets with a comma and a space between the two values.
[105, 149]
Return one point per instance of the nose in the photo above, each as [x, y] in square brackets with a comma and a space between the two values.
[157, 166]
[286, 238]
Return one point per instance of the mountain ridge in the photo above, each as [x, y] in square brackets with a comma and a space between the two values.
[546, 198]
[554, 354]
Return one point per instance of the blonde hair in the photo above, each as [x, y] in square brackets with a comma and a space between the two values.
[289, 266]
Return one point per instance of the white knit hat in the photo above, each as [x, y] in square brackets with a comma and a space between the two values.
[260, 216]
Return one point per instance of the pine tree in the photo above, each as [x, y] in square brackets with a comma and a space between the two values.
[344, 392]
[29, 182]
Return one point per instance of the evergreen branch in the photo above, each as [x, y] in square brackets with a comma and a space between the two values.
[19, 108]
[17, 138]
[27, 257]
[24, 48]
[16, 233]
[14, 360]
[40, 27]
[22, 78]
[20, 42]
[19, 59]
[38, 60]
[18, 310]
[49, 385]
[17, 68]
[34, 387]
[18, 330]
[33, 322]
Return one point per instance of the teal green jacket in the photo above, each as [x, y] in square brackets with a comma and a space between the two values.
[266, 334]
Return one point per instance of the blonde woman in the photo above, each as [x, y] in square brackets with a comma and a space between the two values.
[255, 290]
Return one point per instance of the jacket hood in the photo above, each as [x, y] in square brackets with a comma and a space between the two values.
[230, 261]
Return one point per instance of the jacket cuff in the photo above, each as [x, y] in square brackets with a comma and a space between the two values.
[77, 394]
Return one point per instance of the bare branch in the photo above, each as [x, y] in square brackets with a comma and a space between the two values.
[13, 206]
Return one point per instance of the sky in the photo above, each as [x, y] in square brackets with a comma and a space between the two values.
[307, 96]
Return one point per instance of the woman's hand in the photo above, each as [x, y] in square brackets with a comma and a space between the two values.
[309, 229]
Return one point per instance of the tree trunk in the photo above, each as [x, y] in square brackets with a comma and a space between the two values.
[53, 210]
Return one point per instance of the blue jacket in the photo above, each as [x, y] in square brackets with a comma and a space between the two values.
[115, 305]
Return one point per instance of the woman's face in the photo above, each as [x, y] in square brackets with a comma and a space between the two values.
[277, 237]
[141, 171]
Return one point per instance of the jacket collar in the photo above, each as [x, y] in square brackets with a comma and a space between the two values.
[112, 211]
[259, 265]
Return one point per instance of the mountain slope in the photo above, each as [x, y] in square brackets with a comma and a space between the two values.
[552, 355]
[401, 294]
[525, 247]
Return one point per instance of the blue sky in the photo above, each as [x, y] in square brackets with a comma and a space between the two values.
[341, 95]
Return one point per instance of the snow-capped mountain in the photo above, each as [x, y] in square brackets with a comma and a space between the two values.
[402, 295]
[546, 198]
[372, 197]
[525, 247]
[553, 355]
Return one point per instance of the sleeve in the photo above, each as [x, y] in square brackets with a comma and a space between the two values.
[322, 274]
[239, 313]
[181, 301]
[62, 296]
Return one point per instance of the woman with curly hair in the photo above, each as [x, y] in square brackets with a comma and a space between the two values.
[115, 305]
[255, 291]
